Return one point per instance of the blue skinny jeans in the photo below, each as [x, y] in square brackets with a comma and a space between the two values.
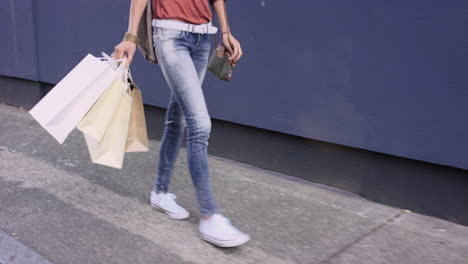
[183, 57]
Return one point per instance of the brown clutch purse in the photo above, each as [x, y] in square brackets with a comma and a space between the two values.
[219, 64]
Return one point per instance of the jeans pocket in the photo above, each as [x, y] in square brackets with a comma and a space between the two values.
[169, 33]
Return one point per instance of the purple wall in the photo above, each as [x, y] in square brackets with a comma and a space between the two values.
[387, 76]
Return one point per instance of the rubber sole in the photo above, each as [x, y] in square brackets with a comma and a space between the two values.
[171, 215]
[225, 243]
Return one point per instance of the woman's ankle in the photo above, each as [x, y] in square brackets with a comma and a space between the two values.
[207, 217]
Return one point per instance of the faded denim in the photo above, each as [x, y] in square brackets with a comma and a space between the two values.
[183, 57]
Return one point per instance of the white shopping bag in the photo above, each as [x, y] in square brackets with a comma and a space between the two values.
[65, 105]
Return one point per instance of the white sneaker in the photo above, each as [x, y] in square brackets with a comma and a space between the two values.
[165, 202]
[219, 231]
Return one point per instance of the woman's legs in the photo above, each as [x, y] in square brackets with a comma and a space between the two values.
[184, 75]
[174, 130]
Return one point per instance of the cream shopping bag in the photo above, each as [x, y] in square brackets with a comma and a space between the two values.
[96, 121]
[65, 105]
[137, 139]
[110, 150]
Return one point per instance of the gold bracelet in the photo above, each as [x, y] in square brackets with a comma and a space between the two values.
[130, 37]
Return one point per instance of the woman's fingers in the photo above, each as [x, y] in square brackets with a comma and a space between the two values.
[118, 52]
[129, 60]
[237, 51]
[130, 53]
[239, 54]
[230, 51]
[125, 48]
[234, 52]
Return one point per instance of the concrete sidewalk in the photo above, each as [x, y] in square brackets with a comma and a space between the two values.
[58, 207]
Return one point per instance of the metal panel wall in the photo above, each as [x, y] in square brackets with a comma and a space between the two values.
[383, 75]
[17, 37]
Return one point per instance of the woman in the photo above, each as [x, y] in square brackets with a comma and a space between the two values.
[182, 35]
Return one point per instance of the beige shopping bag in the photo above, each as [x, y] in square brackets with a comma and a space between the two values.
[98, 118]
[96, 121]
[111, 150]
[137, 139]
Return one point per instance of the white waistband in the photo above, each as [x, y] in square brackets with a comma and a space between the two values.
[206, 28]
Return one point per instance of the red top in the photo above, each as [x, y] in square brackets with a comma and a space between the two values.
[190, 11]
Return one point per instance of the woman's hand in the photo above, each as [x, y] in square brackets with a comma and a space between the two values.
[234, 48]
[125, 47]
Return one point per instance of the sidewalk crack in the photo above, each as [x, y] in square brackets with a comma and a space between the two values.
[357, 240]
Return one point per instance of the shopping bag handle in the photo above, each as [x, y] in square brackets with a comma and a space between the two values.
[110, 59]
[107, 57]
[122, 68]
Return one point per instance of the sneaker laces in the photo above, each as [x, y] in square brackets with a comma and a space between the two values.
[227, 223]
[226, 220]
[171, 195]
[170, 199]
